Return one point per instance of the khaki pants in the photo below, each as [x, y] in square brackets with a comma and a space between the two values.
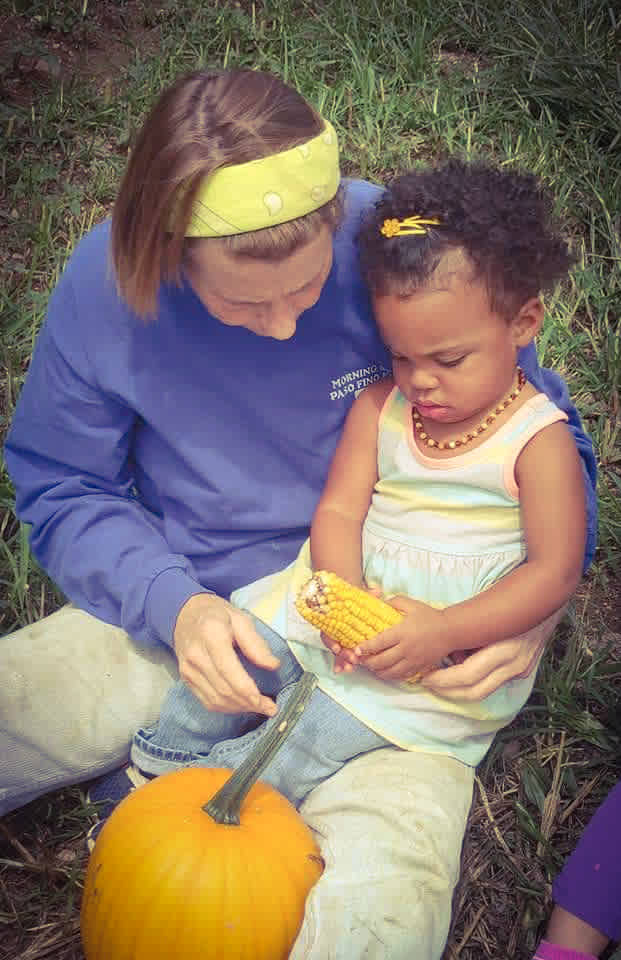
[390, 824]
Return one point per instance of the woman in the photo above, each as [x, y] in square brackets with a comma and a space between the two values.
[184, 400]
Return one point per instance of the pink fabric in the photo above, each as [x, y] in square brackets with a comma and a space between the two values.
[550, 951]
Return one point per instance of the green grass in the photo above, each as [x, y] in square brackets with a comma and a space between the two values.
[529, 84]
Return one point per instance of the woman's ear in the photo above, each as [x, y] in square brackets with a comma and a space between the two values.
[527, 322]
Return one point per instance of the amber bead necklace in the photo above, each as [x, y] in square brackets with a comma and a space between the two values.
[469, 435]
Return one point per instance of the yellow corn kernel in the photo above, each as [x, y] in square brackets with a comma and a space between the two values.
[347, 614]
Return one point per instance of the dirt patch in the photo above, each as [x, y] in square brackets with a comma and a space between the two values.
[56, 44]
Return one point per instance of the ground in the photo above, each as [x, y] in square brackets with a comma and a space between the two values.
[58, 45]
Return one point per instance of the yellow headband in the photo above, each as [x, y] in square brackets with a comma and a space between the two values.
[410, 226]
[271, 190]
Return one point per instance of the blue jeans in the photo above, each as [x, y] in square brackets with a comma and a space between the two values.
[325, 737]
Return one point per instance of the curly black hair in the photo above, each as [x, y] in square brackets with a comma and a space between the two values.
[501, 219]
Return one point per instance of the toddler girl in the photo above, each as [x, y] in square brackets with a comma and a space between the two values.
[456, 489]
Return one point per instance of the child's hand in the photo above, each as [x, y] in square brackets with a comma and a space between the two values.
[344, 660]
[419, 642]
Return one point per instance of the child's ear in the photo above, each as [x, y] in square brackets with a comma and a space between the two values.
[527, 322]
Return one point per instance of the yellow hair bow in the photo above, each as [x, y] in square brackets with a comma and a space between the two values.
[410, 226]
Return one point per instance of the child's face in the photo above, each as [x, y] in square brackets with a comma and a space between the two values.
[453, 357]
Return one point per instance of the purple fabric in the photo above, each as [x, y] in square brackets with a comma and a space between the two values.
[589, 885]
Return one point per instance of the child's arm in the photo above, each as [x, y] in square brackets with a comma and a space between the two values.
[552, 503]
[336, 530]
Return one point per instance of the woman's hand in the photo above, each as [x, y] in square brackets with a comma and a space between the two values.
[207, 631]
[417, 643]
[477, 676]
[485, 670]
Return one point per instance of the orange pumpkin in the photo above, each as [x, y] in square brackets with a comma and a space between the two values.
[174, 876]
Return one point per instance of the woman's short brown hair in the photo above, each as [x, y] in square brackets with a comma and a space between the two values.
[205, 120]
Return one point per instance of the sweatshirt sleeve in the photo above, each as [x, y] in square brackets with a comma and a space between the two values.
[550, 383]
[69, 455]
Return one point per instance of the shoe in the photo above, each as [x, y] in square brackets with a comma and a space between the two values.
[107, 792]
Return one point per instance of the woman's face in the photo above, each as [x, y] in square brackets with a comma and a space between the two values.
[263, 296]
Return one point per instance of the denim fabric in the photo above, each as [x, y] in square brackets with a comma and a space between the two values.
[323, 739]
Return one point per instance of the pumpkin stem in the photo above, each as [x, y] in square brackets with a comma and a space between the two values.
[225, 805]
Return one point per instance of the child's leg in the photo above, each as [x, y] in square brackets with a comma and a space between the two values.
[589, 883]
[186, 731]
[323, 739]
[569, 938]
[587, 912]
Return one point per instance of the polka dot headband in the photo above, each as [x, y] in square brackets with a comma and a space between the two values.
[271, 190]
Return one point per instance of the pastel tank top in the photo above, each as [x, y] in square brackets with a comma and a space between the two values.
[439, 531]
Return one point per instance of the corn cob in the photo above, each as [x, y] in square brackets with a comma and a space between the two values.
[347, 614]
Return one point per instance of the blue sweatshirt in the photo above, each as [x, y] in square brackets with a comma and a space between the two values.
[156, 459]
